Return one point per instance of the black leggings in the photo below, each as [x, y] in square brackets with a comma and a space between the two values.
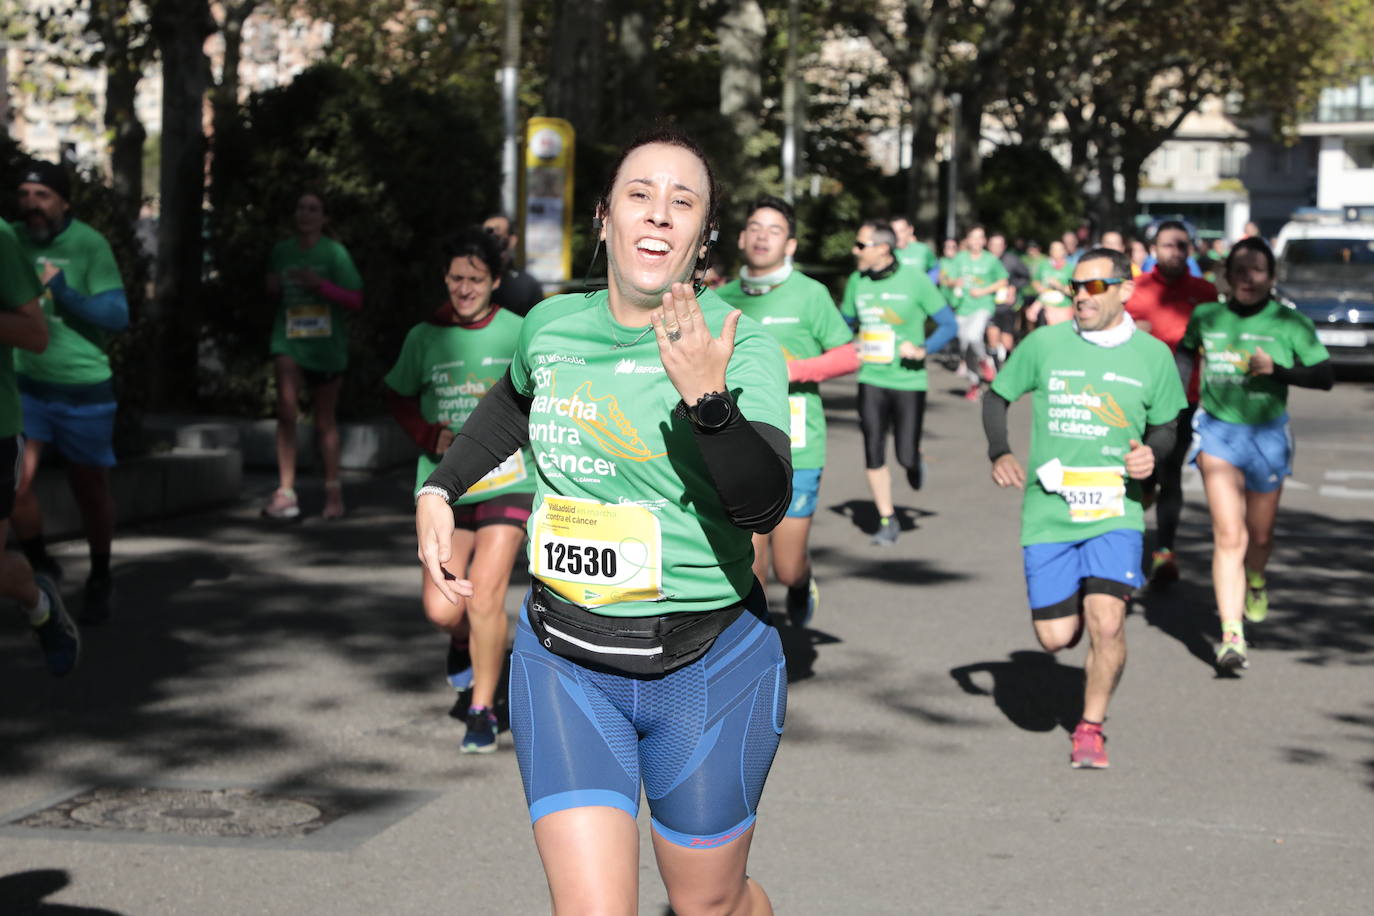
[1169, 502]
[881, 409]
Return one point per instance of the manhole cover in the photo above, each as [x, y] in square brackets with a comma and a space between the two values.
[209, 812]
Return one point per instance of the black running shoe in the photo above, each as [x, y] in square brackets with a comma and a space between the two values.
[99, 600]
[887, 532]
[481, 734]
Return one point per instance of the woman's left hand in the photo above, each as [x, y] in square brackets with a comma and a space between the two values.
[694, 360]
[1261, 363]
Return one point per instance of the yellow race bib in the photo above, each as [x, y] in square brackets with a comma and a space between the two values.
[877, 344]
[796, 405]
[308, 321]
[594, 554]
[1094, 494]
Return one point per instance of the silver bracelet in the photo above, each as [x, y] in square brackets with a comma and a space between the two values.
[432, 490]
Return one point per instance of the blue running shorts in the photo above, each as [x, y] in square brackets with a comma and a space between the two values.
[1057, 574]
[1263, 452]
[806, 492]
[82, 433]
[701, 738]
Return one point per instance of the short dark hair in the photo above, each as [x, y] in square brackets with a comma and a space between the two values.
[969, 230]
[882, 232]
[904, 218]
[768, 201]
[1253, 243]
[1173, 224]
[1121, 263]
[477, 243]
[669, 136]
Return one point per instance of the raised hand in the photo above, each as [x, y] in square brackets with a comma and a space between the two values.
[694, 359]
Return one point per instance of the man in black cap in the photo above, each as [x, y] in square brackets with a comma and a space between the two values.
[67, 390]
[519, 292]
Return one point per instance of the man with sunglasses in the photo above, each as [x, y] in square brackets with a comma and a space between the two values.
[1105, 402]
[888, 305]
[1162, 303]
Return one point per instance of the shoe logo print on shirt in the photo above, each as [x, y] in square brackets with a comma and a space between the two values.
[1104, 407]
[609, 426]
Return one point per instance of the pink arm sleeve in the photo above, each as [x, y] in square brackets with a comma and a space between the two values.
[842, 360]
[351, 299]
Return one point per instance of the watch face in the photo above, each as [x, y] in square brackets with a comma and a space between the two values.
[713, 411]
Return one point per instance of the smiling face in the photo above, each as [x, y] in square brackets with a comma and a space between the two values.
[655, 224]
[906, 234]
[1250, 276]
[470, 285]
[1097, 313]
[309, 215]
[764, 241]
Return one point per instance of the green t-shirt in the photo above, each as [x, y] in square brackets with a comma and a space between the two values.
[1088, 402]
[802, 318]
[308, 328]
[888, 312]
[952, 294]
[451, 368]
[1047, 273]
[18, 287]
[76, 348]
[1227, 342]
[977, 273]
[627, 519]
[916, 255]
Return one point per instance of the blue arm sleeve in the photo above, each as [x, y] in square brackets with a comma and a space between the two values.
[945, 330]
[108, 311]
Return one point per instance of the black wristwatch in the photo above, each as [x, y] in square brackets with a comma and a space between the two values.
[712, 411]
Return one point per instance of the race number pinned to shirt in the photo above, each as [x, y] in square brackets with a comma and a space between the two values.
[877, 344]
[307, 321]
[594, 554]
[1093, 493]
[796, 405]
[510, 471]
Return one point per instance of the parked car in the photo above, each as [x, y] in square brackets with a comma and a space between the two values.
[1326, 271]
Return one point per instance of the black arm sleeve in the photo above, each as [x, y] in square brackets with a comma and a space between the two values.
[995, 424]
[497, 428]
[1320, 375]
[1161, 440]
[751, 467]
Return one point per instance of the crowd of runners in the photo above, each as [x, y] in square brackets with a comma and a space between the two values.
[658, 447]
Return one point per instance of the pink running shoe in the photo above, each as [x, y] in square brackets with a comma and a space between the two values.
[1089, 748]
[989, 369]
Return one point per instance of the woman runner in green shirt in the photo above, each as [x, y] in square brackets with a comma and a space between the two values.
[645, 659]
[1252, 349]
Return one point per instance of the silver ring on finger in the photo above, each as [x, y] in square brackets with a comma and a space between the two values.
[674, 335]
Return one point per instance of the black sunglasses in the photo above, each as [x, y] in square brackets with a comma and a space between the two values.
[1095, 287]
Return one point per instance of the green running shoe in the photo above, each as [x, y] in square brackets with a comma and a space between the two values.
[1231, 654]
[1256, 598]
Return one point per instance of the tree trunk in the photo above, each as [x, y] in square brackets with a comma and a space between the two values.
[126, 134]
[1105, 212]
[637, 81]
[741, 33]
[180, 28]
[970, 157]
[225, 96]
[1130, 201]
[577, 73]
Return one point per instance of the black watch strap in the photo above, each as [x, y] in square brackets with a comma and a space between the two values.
[712, 411]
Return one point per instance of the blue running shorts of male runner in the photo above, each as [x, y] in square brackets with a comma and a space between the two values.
[1262, 451]
[1058, 574]
[806, 491]
[81, 433]
[701, 738]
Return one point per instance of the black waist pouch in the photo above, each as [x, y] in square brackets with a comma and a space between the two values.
[633, 646]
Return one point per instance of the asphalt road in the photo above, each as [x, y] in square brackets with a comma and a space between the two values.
[924, 767]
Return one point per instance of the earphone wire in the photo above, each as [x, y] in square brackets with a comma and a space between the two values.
[587, 277]
[704, 264]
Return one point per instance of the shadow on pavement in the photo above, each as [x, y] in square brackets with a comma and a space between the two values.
[799, 647]
[1319, 592]
[226, 599]
[22, 893]
[864, 515]
[1033, 690]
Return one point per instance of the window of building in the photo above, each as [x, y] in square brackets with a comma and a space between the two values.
[1359, 154]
